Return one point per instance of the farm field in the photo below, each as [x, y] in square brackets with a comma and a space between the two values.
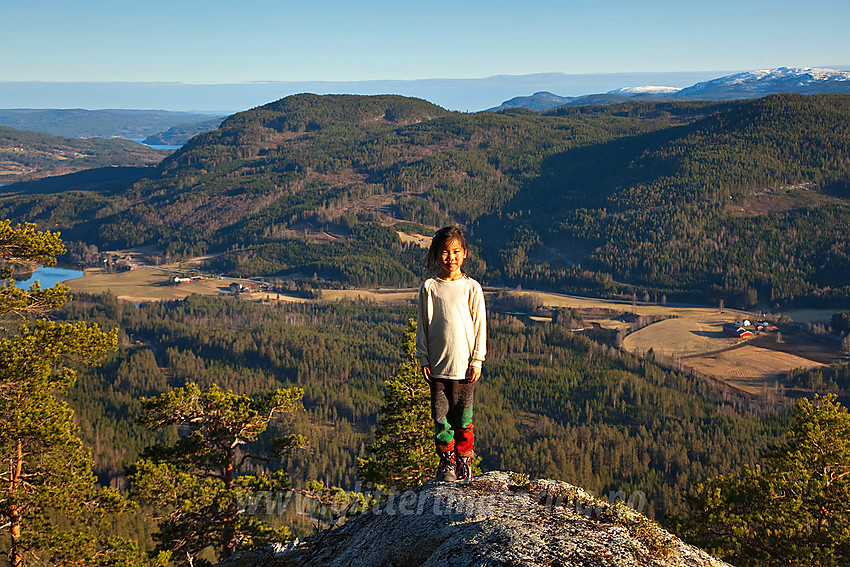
[754, 366]
[694, 339]
[689, 334]
[145, 284]
[377, 296]
[419, 239]
[749, 368]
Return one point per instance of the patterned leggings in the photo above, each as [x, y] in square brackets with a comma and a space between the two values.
[451, 409]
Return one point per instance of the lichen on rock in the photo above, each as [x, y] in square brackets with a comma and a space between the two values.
[499, 518]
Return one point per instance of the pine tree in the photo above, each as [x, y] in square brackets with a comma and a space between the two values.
[403, 453]
[793, 511]
[49, 502]
[24, 248]
[197, 483]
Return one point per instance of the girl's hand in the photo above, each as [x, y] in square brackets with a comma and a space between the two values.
[426, 372]
[473, 373]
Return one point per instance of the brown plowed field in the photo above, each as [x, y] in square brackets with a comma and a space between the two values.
[751, 365]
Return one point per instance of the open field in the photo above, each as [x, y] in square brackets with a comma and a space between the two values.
[418, 239]
[697, 342]
[145, 284]
[589, 307]
[376, 296]
[694, 339]
[749, 368]
[687, 335]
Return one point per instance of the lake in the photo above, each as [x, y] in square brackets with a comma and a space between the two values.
[154, 146]
[49, 276]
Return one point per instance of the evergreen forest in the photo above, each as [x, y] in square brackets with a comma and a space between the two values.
[552, 404]
[27, 156]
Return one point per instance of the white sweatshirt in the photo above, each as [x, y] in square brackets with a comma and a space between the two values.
[451, 327]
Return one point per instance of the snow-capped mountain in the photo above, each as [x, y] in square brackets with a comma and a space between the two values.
[752, 84]
[645, 90]
[799, 80]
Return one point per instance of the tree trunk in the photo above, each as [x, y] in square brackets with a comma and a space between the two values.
[16, 555]
[228, 536]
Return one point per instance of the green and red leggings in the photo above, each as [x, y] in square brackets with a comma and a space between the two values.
[451, 409]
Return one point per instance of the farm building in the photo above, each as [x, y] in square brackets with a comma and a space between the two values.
[736, 331]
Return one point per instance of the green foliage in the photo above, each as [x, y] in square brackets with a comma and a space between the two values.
[49, 503]
[834, 378]
[743, 204]
[792, 510]
[196, 483]
[741, 201]
[550, 404]
[361, 261]
[336, 504]
[556, 405]
[841, 322]
[403, 454]
[48, 497]
[24, 247]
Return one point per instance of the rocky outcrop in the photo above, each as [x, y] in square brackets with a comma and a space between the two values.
[498, 518]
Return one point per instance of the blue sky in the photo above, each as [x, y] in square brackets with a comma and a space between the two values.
[215, 41]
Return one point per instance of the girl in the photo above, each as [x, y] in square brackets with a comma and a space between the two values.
[451, 342]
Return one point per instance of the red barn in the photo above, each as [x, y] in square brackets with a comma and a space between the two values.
[736, 331]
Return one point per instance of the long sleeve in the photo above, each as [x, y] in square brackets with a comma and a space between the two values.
[451, 328]
[479, 326]
[422, 321]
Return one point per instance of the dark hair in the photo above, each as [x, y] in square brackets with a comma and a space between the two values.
[441, 238]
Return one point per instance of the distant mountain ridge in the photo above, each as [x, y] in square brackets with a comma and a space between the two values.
[750, 84]
[794, 80]
[82, 123]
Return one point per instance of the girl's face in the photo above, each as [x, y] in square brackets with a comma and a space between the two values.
[451, 259]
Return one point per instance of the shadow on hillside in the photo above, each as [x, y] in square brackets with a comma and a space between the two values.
[710, 334]
[104, 180]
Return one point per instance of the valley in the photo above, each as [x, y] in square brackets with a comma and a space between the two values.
[686, 337]
[698, 201]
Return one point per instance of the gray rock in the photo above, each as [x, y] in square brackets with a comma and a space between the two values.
[498, 518]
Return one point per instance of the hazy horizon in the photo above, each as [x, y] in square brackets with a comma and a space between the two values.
[469, 95]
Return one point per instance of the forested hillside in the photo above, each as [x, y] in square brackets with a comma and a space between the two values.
[30, 155]
[551, 403]
[749, 203]
[741, 201]
[182, 133]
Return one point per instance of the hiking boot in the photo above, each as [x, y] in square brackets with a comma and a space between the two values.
[446, 470]
[463, 467]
